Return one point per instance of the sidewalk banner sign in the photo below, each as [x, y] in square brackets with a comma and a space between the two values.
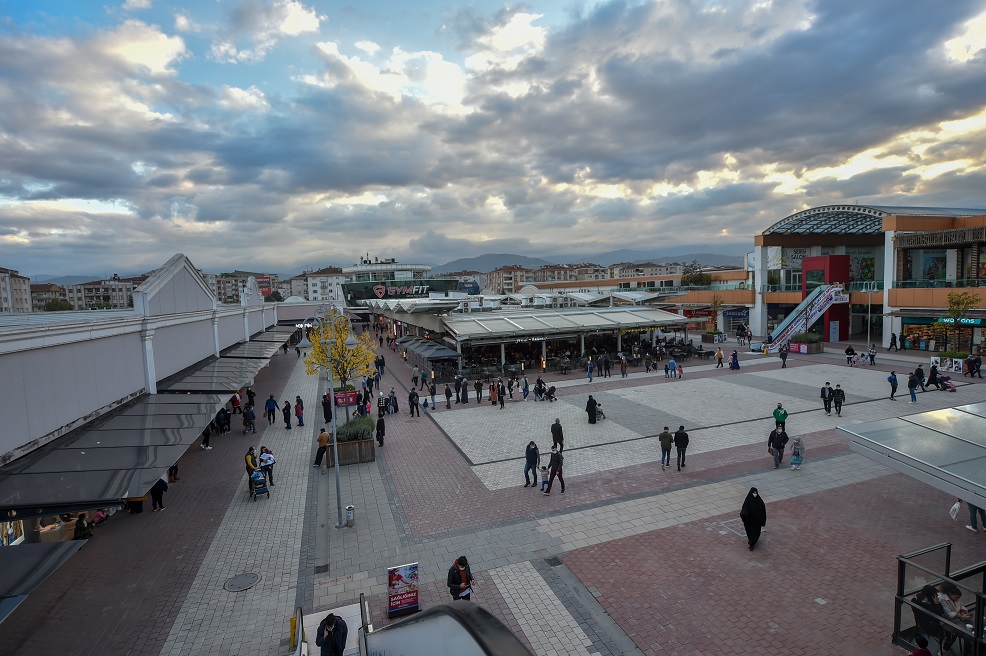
[402, 590]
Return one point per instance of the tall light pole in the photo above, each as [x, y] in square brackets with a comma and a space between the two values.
[327, 343]
[869, 287]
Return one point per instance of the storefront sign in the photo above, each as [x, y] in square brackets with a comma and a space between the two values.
[345, 398]
[737, 314]
[964, 321]
[798, 348]
[403, 290]
[402, 589]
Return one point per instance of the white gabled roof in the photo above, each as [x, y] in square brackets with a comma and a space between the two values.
[547, 322]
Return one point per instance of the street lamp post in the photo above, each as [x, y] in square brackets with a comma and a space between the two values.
[349, 343]
[869, 287]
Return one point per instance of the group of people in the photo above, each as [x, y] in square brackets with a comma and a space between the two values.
[554, 468]
[917, 379]
[853, 358]
[680, 442]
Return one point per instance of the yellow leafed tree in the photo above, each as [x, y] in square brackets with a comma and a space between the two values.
[347, 364]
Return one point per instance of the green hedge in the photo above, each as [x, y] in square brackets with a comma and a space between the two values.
[362, 428]
[953, 354]
[806, 338]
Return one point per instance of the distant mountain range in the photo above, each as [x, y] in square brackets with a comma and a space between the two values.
[491, 261]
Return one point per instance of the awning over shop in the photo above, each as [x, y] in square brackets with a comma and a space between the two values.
[944, 448]
[556, 322]
[222, 376]
[119, 456]
[429, 350]
[24, 567]
[253, 350]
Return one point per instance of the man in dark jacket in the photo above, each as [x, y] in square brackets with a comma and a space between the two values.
[532, 459]
[681, 443]
[776, 442]
[666, 440]
[448, 397]
[839, 397]
[827, 398]
[326, 409]
[332, 635]
[919, 375]
[412, 402]
[557, 437]
[555, 465]
[460, 580]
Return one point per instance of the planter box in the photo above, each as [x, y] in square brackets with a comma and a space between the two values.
[817, 347]
[352, 453]
[712, 338]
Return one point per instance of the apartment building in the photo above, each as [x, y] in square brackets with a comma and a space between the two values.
[15, 291]
[324, 284]
[229, 285]
[44, 292]
[508, 279]
[116, 292]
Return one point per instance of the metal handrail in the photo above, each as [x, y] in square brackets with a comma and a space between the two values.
[939, 284]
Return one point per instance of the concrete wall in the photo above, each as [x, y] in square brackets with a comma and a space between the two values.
[44, 390]
[230, 330]
[178, 347]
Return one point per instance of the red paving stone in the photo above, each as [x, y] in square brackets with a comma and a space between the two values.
[121, 592]
[690, 590]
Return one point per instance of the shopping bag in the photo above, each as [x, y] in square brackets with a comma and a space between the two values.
[953, 512]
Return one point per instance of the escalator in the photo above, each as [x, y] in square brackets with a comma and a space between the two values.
[802, 317]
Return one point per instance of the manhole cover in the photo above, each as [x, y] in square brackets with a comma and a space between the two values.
[242, 582]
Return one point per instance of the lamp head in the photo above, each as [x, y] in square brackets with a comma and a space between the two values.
[351, 342]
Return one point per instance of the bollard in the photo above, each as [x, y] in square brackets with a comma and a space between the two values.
[350, 515]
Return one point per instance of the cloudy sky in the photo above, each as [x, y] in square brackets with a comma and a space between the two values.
[282, 134]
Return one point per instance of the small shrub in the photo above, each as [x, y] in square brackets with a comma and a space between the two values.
[953, 354]
[806, 338]
[355, 430]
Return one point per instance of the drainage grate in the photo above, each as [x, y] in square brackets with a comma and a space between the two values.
[242, 582]
[554, 561]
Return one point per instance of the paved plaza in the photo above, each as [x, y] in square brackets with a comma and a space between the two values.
[630, 560]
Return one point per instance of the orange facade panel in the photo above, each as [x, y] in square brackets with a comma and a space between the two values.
[729, 296]
[786, 298]
[930, 298]
[918, 223]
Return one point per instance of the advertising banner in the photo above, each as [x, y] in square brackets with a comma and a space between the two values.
[345, 398]
[402, 589]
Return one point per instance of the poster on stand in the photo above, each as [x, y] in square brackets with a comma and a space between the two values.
[402, 590]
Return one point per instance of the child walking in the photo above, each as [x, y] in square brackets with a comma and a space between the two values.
[544, 477]
[797, 453]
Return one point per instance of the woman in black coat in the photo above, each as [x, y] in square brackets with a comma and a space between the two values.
[754, 516]
[590, 409]
[381, 429]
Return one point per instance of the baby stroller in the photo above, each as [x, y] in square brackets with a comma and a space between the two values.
[258, 485]
[550, 394]
[599, 411]
[946, 383]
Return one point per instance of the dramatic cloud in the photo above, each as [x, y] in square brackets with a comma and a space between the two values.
[283, 134]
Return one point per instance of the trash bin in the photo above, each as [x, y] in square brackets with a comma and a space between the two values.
[350, 515]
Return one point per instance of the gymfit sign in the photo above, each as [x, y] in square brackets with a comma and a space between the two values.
[407, 290]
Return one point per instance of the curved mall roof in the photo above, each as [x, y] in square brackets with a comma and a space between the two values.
[854, 219]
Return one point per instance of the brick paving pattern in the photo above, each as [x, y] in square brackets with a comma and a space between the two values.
[630, 560]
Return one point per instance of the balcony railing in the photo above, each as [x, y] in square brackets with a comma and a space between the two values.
[767, 289]
[939, 284]
[866, 286]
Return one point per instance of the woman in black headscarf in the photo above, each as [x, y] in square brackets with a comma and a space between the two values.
[590, 409]
[754, 516]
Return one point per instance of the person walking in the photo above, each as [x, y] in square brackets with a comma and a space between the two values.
[267, 464]
[666, 440]
[912, 386]
[555, 464]
[323, 443]
[919, 375]
[754, 516]
[719, 357]
[206, 434]
[501, 393]
[606, 365]
[432, 390]
[776, 442]
[465, 391]
[525, 387]
[412, 403]
[448, 397]
[250, 459]
[590, 368]
[458, 389]
[590, 409]
[734, 360]
[331, 636]
[892, 379]
[872, 354]
[780, 416]
[783, 355]
[415, 374]
[673, 367]
[236, 403]
[381, 429]
[893, 342]
[392, 402]
[826, 395]
[326, 409]
[286, 411]
[249, 420]
[557, 437]
[974, 510]
[797, 453]
[460, 581]
[479, 391]
[850, 355]
[424, 380]
[270, 410]
[838, 397]
[681, 444]
[157, 494]
[383, 405]
[623, 368]
[532, 460]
